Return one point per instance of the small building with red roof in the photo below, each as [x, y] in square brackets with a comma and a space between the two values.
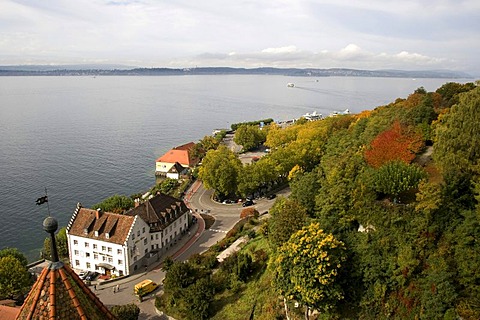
[171, 163]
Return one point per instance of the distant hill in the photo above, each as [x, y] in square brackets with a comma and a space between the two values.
[119, 70]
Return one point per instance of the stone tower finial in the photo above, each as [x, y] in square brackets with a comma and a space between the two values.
[50, 225]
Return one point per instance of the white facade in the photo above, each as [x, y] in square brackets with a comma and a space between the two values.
[90, 254]
[92, 250]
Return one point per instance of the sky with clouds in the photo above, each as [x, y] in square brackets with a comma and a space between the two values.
[374, 34]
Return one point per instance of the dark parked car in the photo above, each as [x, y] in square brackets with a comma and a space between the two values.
[248, 203]
[91, 276]
[271, 196]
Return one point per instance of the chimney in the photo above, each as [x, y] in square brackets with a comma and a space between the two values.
[98, 214]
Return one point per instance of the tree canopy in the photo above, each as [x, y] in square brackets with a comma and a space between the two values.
[219, 171]
[14, 277]
[115, 204]
[307, 267]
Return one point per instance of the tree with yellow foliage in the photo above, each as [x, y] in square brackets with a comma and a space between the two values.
[307, 267]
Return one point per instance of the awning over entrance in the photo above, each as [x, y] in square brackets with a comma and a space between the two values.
[106, 266]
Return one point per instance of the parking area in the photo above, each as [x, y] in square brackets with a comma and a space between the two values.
[247, 157]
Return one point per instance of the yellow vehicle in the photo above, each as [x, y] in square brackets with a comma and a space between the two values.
[144, 287]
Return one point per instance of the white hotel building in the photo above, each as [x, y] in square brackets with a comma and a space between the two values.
[120, 244]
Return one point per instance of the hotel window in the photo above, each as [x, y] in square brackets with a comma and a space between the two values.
[104, 258]
[119, 251]
[133, 236]
[88, 265]
[146, 250]
[143, 230]
[109, 249]
[145, 241]
[75, 252]
[110, 260]
[94, 246]
[97, 268]
[77, 263]
[75, 242]
[95, 256]
[156, 236]
[87, 254]
[86, 245]
[138, 233]
[151, 237]
[120, 262]
[104, 248]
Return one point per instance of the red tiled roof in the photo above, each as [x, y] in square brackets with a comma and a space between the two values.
[180, 154]
[116, 225]
[60, 294]
[8, 313]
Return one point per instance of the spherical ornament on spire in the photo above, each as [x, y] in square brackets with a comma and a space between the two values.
[50, 224]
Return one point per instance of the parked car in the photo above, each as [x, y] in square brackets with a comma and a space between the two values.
[248, 203]
[91, 276]
[271, 196]
[83, 274]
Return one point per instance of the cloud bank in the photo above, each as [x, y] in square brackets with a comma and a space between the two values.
[375, 34]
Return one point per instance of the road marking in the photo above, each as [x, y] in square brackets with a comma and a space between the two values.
[217, 230]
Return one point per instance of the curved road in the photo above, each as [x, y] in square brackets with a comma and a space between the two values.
[200, 201]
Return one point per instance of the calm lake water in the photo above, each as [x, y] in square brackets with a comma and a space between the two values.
[87, 138]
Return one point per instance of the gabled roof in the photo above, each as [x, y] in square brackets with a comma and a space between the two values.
[85, 222]
[159, 211]
[60, 294]
[177, 168]
[180, 154]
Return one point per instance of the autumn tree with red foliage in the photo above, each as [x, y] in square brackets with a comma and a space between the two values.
[397, 143]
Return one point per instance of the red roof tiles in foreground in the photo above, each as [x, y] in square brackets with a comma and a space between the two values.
[8, 313]
[60, 294]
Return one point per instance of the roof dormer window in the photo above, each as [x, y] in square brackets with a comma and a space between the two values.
[107, 235]
[96, 233]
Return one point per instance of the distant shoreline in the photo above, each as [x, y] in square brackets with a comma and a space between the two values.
[294, 72]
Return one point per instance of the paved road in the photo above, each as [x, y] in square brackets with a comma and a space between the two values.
[200, 201]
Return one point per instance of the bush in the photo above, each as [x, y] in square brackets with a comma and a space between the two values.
[126, 312]
[249, 212]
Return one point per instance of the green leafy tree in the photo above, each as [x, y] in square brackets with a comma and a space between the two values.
[466, 253]
[249, 137]
[207, 143]
[14, 252]
[450, 92]
[457, 144]
[307, 266]
[14, 277]
[126, 312]
[396, 177]
[116, 204]
[304, 189]
[179, 276]
[288, 216]
[197, 299]
[220, 170]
